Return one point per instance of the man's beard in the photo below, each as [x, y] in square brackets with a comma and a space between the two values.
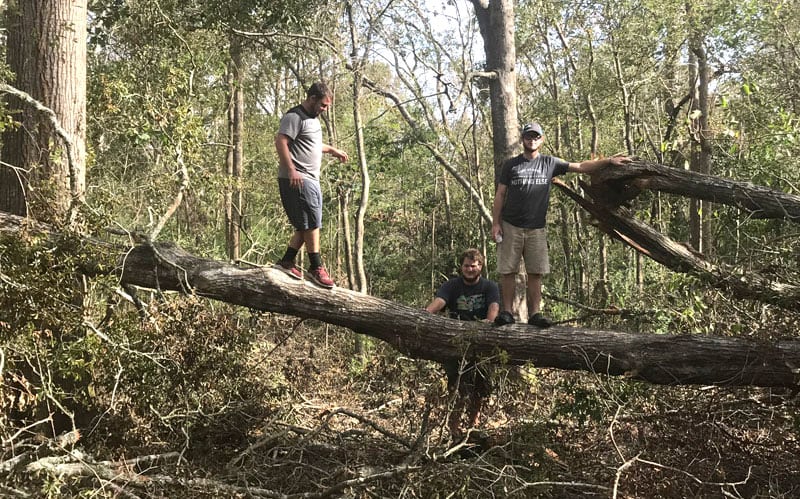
[471, 280]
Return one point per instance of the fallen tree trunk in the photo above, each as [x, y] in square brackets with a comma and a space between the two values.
[660, 359]
[612, 188]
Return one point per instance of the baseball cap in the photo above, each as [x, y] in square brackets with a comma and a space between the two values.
[532, 128]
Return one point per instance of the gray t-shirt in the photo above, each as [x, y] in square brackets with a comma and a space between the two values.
[528, 194]
[305, 145]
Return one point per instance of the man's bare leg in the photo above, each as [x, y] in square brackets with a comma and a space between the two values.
[311, 239]
[508, 288]
[297, 240]
[534, 293]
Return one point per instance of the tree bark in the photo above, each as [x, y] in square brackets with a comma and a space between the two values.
[346, 234]
[358, 64]
[625, 182]
[699, 133]
[234, 160]
[621, 224]
[660, 359]
[361, 154]
[47, 52]
[496, 24]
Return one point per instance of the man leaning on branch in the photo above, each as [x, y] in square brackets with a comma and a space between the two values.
[468, 297]
[300, 149]
[519, 215]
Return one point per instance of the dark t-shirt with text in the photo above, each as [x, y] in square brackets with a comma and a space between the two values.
[528, 188]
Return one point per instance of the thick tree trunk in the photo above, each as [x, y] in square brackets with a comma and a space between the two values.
[661, 359]
[47, 52]
[496, 24]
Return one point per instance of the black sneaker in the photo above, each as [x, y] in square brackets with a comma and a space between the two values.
[539, 320]
[504, 318]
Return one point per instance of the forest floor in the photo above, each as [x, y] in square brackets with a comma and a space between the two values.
[376, 428]
[322, 422]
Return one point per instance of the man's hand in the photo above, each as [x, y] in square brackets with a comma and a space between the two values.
[497, 231]
[295, 179]
[337, 153]
[619, 160]
[343, 157]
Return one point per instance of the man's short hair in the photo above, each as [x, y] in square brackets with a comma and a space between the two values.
[473, 254]
[319, 90]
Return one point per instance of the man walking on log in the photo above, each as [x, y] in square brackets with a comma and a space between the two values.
[300, 149]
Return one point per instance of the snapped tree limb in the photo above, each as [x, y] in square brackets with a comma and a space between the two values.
[612, 187]
[622, 183]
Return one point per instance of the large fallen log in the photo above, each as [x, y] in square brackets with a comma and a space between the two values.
[660, 359]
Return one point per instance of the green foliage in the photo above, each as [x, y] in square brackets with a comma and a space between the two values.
[204, 378]
[578, 403]
[42, 330]
[81, 353]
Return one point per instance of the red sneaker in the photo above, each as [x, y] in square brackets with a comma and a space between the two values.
[320, 277]
[288, 268]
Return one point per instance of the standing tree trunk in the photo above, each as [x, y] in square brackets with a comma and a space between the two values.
[361, 274]
[701, 148]
[234, 161]
[360, 270]
[496, 24]
[702, 159]
[448, 215]
[566, 248]
[346, 236]
[44, 159]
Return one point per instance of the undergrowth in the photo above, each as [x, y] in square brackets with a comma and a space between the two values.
[186, 397]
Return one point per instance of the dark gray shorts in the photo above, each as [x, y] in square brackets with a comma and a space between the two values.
[303, 206]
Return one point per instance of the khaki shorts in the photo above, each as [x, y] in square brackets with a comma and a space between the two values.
[528, 244]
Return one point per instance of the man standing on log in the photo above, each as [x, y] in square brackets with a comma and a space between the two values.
[300, 149]
[519, 214]
[468, 297]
